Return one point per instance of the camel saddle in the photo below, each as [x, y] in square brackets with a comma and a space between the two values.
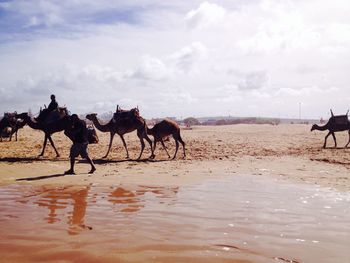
[341, 119]
[125, 115]
[55, 115]
[10, 117]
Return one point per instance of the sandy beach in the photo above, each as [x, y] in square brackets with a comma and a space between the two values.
[288, 151]
[244, 193]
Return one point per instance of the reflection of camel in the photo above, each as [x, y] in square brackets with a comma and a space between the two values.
[68, 205]
[121, 196]
[121, 124]
[48, 128]
[164, 129]
[131, 200]
[335, 124]
[55, 199]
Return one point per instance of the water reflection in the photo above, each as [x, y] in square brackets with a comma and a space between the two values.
[70, 204]
[240, 219]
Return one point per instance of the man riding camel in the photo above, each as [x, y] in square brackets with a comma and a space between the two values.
[52, 107]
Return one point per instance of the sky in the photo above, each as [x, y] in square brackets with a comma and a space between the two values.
[263, 58]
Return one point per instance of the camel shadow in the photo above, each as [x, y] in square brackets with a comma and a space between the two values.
[40, 177]
[336, 148]
[28, 159]
[107, 161]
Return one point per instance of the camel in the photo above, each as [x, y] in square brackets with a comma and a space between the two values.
[7, 125]
[48, 128]
[164, 129]
[335, 124]
[123, 122]
[9, 131]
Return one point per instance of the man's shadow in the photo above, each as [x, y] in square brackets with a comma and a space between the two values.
[40, 177]
[29, 159]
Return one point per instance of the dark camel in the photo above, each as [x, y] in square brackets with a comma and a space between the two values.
[335, 124]
[123, 122]
[48, 128]
[164, 129]
[9, 125]
[8, 132]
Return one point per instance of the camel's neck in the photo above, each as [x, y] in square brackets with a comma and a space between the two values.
[321, 128]
[101, 127]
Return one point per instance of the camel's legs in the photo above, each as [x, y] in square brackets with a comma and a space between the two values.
[44, 146]
[177, 147]
[161, 140]
[325, 140]
[155, 144]
[149, 141]
[53, 145]
[16, 135]
[140, 135]
[126, 148]
[110, 144]
[183, 144]
[335, 140]
[153, 148]
[348, 141]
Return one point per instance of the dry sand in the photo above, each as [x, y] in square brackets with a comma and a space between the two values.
[288, 151]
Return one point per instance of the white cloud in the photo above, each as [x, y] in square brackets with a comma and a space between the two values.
[207, 14]
[151, 69]
[264, 53]
[186, 58]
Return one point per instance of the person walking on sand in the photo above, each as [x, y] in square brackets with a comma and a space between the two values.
[79, 136]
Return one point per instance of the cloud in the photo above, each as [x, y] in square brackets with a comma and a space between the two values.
[185, 59]
[173, 57]
[151, 69]
[253, 81]
[305, 91]
[207, 14]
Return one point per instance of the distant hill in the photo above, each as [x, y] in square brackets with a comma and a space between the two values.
[224, 120]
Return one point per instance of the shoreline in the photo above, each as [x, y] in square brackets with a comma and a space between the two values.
[179, 173]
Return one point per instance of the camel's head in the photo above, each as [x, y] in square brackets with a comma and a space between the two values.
[313, 127]
[20, 123]
[91, 116]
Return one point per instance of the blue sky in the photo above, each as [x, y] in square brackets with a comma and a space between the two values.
[177, 58]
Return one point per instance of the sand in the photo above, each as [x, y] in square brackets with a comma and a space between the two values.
[287, 151]
[244, 193]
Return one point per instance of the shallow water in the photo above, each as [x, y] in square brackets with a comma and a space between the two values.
[237, 219]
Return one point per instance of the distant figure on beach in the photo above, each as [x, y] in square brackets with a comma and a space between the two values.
[78, 133]
[52, 106]
[335, 124]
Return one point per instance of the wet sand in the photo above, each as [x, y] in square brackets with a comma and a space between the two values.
[243, 218]
[181, 210]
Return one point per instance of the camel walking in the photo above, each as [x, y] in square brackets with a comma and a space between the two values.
[335, 124]
[164, 129]
[7, 124]
[8, 132]
[123, 122]
[49, 128]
